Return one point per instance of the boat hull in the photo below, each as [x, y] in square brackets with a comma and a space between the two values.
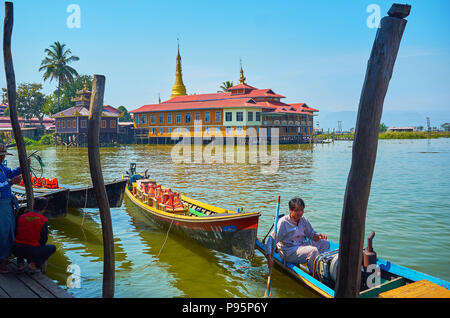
[229, 233]
[398, 275]
[57, 202]
[84, 197]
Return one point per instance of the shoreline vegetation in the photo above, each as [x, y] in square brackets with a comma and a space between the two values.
[390, 135]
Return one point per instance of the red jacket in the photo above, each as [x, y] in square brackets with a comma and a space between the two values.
[30, 226]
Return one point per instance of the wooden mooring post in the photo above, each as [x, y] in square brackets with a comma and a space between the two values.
[95, 113]
[12, 94]
[376, 82]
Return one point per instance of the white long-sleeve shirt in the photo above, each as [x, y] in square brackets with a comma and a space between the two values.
[290, 235]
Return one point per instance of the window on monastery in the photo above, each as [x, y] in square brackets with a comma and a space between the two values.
[169, 118]
[207, 130]
[68, 123]
[218, 117]
[136, 119]
[152, 119]
[258, 116]
[112, 124]
[197, 116]
[229, 130]
[218, 130]
[178, 118]
[74, 123]
[239, 116]
[207, 117]
[228, 116]
[83, 123]
[57, 124]
[63, 124]
[161, 130]
[169, 130]
[153, 131]
[187, 118]
[250, 116]
[239, 130]
[103, 123]
[161, 118]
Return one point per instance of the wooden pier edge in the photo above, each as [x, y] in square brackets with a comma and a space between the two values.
[26, 285]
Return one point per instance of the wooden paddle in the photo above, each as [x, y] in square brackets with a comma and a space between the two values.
[274, 242]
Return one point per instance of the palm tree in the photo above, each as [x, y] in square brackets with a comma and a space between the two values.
[55, 64]
[225, 86]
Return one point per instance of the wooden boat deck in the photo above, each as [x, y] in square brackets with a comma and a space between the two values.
[420, 289]
[26, 285]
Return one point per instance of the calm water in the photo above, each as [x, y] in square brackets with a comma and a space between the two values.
[408, 209]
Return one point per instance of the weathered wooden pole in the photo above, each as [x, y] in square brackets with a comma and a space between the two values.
[95, 113]
[11, 89]
[378, 75]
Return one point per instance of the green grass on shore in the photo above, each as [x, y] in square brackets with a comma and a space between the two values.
[395, 135]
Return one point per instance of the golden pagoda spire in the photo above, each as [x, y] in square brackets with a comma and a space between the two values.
[242, 78]
[159, 99]
[178, 88]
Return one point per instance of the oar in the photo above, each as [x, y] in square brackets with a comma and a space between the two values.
[274, 242]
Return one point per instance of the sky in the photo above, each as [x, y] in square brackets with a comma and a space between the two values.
[309, 51]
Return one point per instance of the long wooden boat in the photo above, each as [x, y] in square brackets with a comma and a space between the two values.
[216, 228]
[57, 201]
[393, 278]
[84, 197]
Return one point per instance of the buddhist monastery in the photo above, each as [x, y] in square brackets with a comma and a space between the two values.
[71, 124]
[231, 113]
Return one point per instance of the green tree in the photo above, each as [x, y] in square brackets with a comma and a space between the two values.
[30, 101]
[383, 128]
[225, 86]
[124, 116]
[67, 92]
[55, 65]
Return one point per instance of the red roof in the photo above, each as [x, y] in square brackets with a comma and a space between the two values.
[241, 86]
[226, 99]
[221, 103]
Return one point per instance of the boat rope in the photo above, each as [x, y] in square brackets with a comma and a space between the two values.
[167, 235]
[84, 210]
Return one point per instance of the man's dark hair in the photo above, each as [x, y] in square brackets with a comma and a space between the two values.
[296, 202]
[40, 203]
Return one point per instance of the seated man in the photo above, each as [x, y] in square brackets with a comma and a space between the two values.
[32, 236]
[297, 242]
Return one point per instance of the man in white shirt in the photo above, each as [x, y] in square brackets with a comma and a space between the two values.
[297, 242]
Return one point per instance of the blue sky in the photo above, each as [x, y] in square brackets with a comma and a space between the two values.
[309, 51]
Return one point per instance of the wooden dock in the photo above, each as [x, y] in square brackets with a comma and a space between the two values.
[27, 285]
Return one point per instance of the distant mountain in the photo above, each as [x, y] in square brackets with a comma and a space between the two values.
[329, 120]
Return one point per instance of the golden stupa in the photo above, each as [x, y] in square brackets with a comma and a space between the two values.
[178, 88]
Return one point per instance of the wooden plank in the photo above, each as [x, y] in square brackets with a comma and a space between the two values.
[30, 281]
[388, 285]
[14, 287]
[420, 289]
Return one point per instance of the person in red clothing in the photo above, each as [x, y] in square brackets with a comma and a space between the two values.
[31, 237]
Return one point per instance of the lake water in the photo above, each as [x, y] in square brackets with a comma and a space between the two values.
[408, 210]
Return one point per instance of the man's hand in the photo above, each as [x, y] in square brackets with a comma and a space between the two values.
[320, 236]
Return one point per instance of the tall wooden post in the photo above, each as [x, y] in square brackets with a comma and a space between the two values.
[378, 75]
[11, 89]
[95, 113]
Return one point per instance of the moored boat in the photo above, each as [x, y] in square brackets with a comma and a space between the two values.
[78, 197]
[57, 201]
[380, 279]
[216, 228]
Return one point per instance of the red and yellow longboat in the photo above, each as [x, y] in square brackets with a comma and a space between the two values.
[216, 228]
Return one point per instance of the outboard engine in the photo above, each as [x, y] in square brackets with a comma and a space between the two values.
[325, 267]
